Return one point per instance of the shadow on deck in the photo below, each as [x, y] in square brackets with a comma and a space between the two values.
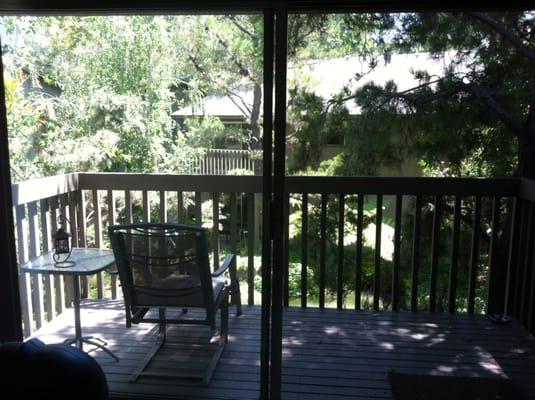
[327, 354]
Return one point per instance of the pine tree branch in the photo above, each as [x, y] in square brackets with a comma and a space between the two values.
[506, 33]
[484, 95]
[244, 71]
[403, 95]
[235, 22]
[480, 92]
[235, 97]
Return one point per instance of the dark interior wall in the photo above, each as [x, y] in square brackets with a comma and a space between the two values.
[11, 325]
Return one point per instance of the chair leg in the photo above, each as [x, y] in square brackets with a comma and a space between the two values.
[224, 320]
[213, 362]
[161, 326]
[128, 316]
[148, 358]
[236, 299]
[223, 340]
[161, 340]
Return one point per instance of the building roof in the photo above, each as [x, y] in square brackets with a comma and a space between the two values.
[327, 78]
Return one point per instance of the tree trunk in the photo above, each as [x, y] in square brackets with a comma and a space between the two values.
[255, 140]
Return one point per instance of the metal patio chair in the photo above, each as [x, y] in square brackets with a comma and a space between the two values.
[166, 266]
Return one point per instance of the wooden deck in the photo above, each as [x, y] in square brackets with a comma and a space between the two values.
[328, 354]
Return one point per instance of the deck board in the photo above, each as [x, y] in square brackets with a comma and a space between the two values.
[327, 354]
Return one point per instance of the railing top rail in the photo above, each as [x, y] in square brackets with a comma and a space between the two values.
[42, 188]
[36, 189]
[193, 183]
[526, 190]
[404, 185]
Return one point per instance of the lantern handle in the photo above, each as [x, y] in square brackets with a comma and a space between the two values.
[62, 219]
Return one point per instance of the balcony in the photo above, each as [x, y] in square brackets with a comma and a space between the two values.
[412, 294]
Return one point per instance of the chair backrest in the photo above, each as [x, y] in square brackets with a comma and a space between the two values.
[163, 265]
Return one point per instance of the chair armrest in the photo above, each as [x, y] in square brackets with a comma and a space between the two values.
[226, 265]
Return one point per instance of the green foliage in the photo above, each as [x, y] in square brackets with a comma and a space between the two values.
[330, 167]
[113, 111]
[117, 81]
[377, 140]
[315, 36]
[310, 127]
[202, 132]
[331, 238]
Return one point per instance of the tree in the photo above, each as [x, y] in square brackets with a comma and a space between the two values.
[479, 117]
[224, 57]
[116, 76]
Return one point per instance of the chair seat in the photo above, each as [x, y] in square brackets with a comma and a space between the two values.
[178, 291]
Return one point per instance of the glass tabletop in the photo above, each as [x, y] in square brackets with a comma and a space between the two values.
[87, 261]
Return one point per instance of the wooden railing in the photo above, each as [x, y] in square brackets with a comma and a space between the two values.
[92, 202]
[520, 278]
[446, 202]
[458, 245]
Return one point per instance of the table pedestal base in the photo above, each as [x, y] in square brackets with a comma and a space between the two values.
[97, 342]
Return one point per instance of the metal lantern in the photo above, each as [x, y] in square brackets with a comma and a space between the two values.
[62, 247]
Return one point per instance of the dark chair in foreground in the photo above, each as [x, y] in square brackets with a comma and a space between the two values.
[166, 266]
[34, 370]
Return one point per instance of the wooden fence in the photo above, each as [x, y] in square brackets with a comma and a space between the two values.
[221, 162]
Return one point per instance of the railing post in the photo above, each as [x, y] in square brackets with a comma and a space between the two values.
[67, 283]
[527, 253]
[180, 216]
[250, 247]
[36, 279]
[452, 288]
[323, 248]
[111, 221]
[496, 295]
[97, 218]
[59, 282]
[358, 263]
[340, 255]
[474, 255]
[234, 238]
[50, 298]
[215, 229]
[304, 250]
[286, 246]
[25, 288]
[198, 208]
[163, 206]
[513, 257]
[397, 255]
[82, 236]
[378, 237]
[437, 213]
[415, 270]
